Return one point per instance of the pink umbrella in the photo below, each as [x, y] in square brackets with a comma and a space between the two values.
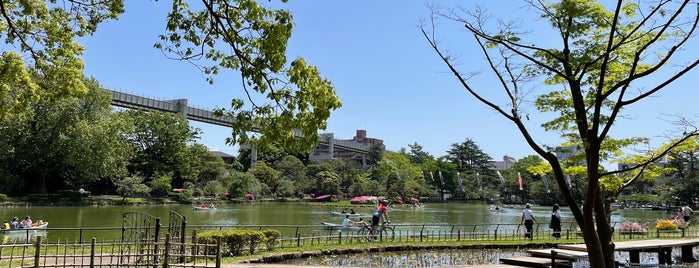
[250, 196]
[415, 200]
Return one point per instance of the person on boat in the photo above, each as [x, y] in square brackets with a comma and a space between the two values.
[211, 205]
[6, 226]
[555, 223]
[352, 211]
[344, 211]
[362, 223]
[380, 211]
[346, 222]
[203, 205]
[26, 223]
[14, 224]
[38, 223]
[528, 220]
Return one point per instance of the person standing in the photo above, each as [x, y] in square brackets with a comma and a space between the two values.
[528, 220]
[556, 221]
[378, 213]
[687, 211]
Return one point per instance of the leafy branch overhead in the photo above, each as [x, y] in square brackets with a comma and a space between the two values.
[41, 43]
[282, 100]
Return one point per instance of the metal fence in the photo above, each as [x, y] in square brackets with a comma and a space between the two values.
[165, 253]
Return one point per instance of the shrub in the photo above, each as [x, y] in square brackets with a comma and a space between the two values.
[632, 227]
[234, 240]
[3, 198]
[271, 236]
[666, 225]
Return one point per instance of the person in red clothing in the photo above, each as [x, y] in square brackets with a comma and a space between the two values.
[380, 212]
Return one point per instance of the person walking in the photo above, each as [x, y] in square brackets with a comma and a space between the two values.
[556, 221]
[528, 220]
[687, 211]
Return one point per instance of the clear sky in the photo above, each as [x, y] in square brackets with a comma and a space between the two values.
[391, 83]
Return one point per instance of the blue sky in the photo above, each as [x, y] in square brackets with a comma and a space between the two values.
[390, 81]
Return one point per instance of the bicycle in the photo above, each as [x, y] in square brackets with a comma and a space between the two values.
[384, 232]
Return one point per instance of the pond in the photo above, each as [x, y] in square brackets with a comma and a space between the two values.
[291, 214]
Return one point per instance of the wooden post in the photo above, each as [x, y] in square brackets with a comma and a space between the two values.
[37, 252]
[687, 254]
[218, 251]
[92, 252]
[168, 245]
[553, 258]
[634, 257]
[665, 256]
[195, 249]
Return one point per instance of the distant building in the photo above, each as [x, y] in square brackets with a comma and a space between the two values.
[507, 162]
[321, 152]
[228, 159]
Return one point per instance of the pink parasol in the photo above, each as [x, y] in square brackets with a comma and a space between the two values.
[415, 200]
[250, 196]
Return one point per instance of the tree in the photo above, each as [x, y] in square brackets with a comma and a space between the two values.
[244, 183]
[266, 175]
[417, 155]
[244, 36]
[469, 160]
[606, 61]
[43, 33]
[160, 140]
[66, 143]
[131, 186]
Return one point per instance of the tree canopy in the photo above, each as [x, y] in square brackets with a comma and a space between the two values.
[605, 59]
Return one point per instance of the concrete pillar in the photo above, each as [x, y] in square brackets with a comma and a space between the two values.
[253, 156]
[331, 145]
[181, 107]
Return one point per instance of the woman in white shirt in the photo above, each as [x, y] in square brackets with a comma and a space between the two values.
[528, 219]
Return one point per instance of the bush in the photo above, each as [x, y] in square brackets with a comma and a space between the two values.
[234, 240]
[3, 198]
[271, 236]
[666, 225]
[628, 227]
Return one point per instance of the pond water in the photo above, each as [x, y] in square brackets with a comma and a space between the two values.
[289, 214]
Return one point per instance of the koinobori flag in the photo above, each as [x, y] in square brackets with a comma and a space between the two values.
[519, 177]
[546, 183]
[431, 175]
[461, 181]
[440, 178]
[502, 180]
[570, 183]
[478, 179]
